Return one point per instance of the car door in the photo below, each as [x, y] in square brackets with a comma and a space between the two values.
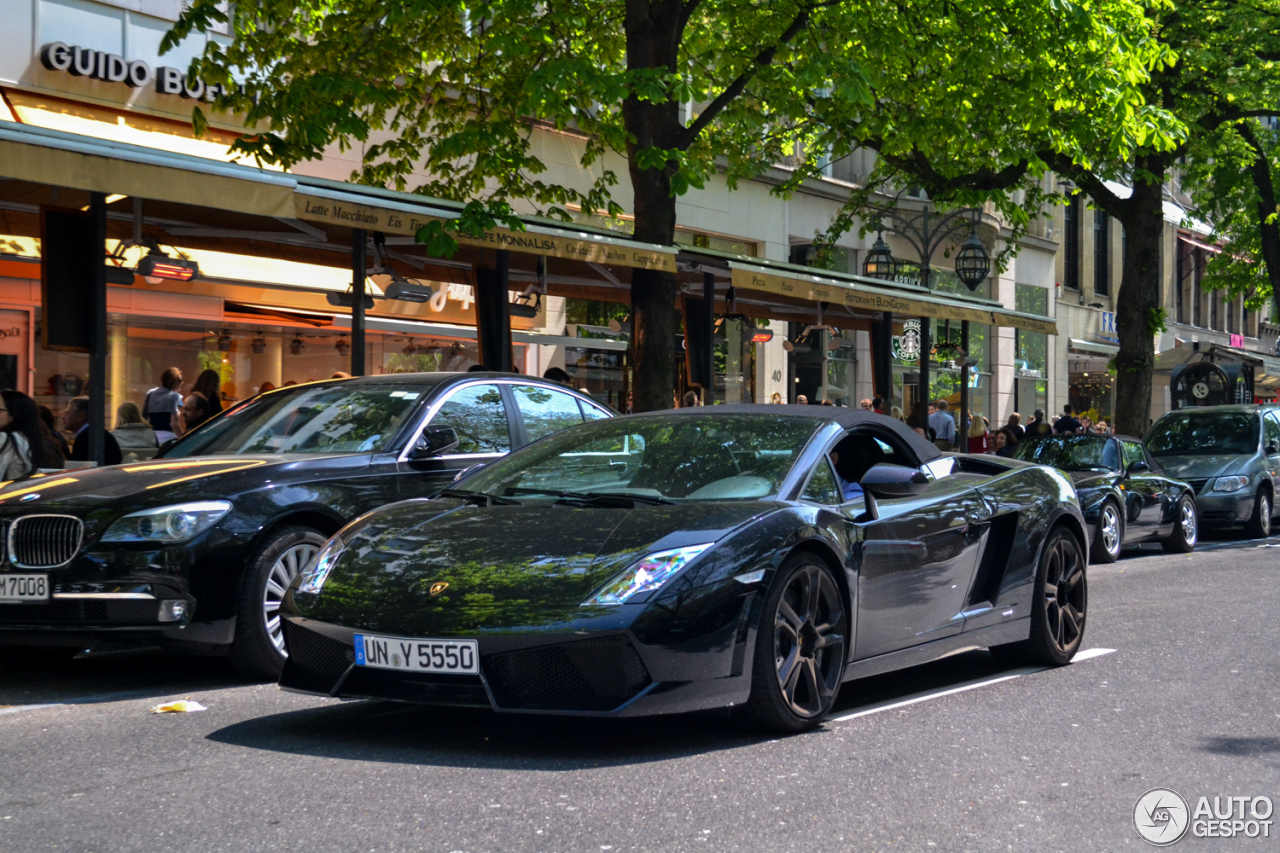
[1271, 443]
[480, 413]
[917, 563]
[1144, 491]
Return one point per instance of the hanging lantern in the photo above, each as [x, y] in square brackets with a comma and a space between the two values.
[973, 264]
[879, 262]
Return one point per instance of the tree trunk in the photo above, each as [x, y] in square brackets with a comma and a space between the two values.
[654, 31]
[1138, 306]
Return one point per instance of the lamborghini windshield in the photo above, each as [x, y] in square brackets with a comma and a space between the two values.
[342, 418]
[658, 459]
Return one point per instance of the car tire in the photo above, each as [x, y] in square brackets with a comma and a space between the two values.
[1259, 524]
[32, 658]
[1059, 606]
[800, 651]
[258, 647]
[1110, 528]
[1186, 528]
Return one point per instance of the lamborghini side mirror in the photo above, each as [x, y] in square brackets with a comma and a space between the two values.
[894, 481]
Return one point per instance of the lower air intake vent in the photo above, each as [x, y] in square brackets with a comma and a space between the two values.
[315, 662]
[590, 675]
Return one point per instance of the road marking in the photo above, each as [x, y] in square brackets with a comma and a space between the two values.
[925, 696]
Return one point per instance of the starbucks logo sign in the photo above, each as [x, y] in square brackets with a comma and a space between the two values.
[906, 347]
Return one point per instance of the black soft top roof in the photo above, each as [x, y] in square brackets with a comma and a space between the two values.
[845, 417]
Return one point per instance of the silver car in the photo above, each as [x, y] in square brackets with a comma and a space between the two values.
[1230, 455]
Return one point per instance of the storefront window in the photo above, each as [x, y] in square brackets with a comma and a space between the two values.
[944, 369]
[734, 362]
[1031, 362]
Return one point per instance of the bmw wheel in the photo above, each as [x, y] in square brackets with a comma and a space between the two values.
[801, 646]
[1058, 606]
[1185, 528]
[1108, 537]
[1259, 524]
[258, 649]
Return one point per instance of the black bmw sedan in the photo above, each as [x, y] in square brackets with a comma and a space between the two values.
[195, 549]
[750, 557]
[1124, 494]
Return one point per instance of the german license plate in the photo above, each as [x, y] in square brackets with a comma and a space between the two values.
[417, 655]
[20, 589]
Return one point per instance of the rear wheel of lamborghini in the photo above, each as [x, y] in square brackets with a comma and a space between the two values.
[800, 651]
[1108, 537]
[258, 650]
[1058, 606]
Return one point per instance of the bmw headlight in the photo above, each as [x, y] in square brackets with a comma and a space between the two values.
[167, 524]
[1230, 484]
[317, 571]
[646, 575]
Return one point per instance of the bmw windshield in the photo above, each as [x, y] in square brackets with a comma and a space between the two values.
[654, 459]
[1194, 433]
[342, 418]
[1071, 453]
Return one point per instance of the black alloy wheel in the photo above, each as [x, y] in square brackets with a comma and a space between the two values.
[1058, 606]
[1186, 528]
[1108, 536]
[1259, 524]
[258, 649]
[801, 646]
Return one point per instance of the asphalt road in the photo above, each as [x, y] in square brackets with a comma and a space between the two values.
[956, 756]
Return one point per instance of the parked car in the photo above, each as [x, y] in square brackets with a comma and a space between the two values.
[196, 549]
[695, 559]
[1231, 457]
[1125, 496]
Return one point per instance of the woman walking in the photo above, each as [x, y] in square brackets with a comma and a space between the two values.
[22, 444]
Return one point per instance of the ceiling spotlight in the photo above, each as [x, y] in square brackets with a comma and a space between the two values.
[158, 265]
[343, 346]
[259, 344]
[348, 300]
[407, 291]
[297, 347]
[224, 341]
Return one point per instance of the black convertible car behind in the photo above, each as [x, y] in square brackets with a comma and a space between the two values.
[1125, 496]
[196, 549]
[705, 558]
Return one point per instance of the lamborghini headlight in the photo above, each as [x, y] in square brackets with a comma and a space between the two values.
[1230, 484]
[315, 573]
[167, 524]
[646, 575]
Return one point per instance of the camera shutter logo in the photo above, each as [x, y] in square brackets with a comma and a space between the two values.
[1161, 817]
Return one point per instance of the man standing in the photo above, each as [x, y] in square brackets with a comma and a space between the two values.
[1066, 425]
[75, 419]
[1037, 425]
[802, 400]
[942, 424]
[877, 405]
[195, 411]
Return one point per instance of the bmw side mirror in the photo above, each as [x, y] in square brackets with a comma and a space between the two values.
[1137, 468]
[435, 441]
[893, 481]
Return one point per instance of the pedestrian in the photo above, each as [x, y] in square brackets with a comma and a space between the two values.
[163, 404]
[865, 405]
[918, 420]
[59, 440]
[1086, 425]
[1038, 426]
[557, 374]
[1102, 428]
[195, 410]
[135, 436]
[977, 434]
[827, 403]
[1004, 442]
[209, 384]
[1015, 424]
[942, 424]
[877, 405]
[776, 399]
[896, 412]
[75, 417]
[266, 386]
[1066, 425]
[340, 374]
[22, 443]
[802, 400]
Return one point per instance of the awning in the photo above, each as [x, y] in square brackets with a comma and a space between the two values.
[1093, 347]
[1191, 241]
[856, 294]
[43, 156]
[441, 330]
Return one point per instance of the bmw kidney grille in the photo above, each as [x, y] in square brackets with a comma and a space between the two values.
[44, 541]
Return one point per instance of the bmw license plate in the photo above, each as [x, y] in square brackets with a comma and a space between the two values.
[418, 655]
[21, 589]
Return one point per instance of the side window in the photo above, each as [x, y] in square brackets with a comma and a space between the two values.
[478, 415]
[822, 488]
[593, 413]
[546, 411]
[1132, 453]
[1271, 430]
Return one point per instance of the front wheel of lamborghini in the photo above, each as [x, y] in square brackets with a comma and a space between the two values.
[800, 652]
